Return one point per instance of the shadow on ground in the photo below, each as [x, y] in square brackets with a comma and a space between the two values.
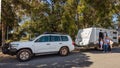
[73, 60]
[114, 50]
[77, 58]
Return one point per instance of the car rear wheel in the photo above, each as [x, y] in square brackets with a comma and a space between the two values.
[64, 51]
[24, 55]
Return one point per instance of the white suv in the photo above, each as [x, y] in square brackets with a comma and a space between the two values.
[43, 44]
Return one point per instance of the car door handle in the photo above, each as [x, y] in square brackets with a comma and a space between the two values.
[48, 44]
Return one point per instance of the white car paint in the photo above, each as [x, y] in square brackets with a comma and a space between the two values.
[41, 47]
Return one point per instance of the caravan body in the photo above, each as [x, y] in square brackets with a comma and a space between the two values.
[90, 36]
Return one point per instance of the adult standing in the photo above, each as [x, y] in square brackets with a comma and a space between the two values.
[106, 44]
[101, 35]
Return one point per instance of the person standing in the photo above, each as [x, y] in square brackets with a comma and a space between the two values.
[110, 45]
[106, 44]
[101, 35]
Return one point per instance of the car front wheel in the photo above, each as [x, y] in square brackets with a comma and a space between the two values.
[24, 55]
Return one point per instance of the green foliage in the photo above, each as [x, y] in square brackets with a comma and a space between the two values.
[7, 14]
[65, 16]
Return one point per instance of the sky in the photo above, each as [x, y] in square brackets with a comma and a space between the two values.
[115, 19]
[49, 1]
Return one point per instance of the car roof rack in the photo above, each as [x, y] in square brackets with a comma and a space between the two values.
[52, 33]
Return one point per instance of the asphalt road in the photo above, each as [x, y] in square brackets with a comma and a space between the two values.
[77, 59]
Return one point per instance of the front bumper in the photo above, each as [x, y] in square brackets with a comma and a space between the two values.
[6, 49]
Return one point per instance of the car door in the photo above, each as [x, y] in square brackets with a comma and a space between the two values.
[42, 44]
[55, 43]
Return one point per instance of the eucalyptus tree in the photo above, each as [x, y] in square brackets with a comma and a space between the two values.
[10, 13]
[7, 17]
[97, 13]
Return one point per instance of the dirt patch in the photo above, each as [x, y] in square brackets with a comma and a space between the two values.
[3, 56]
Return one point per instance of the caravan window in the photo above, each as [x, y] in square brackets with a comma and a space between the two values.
[114, 37]
[114, 32]
[85, 34]
[79, 36]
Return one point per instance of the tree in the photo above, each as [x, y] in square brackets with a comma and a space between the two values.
[66, 16]
[10, 13]
[7, 18]
[97, 13]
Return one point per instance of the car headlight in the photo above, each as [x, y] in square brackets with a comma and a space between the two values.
[14, 45]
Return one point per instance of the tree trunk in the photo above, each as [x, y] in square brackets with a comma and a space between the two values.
[3, 33]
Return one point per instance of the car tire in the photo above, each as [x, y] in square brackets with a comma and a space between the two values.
[24, 55]
[64, 51]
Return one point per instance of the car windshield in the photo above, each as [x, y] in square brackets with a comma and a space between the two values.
[32, 39]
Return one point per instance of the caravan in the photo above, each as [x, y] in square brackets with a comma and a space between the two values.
[90, 36]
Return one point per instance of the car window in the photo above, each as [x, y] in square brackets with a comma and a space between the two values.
[55, 38]
[64, 38]
[43, 39]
